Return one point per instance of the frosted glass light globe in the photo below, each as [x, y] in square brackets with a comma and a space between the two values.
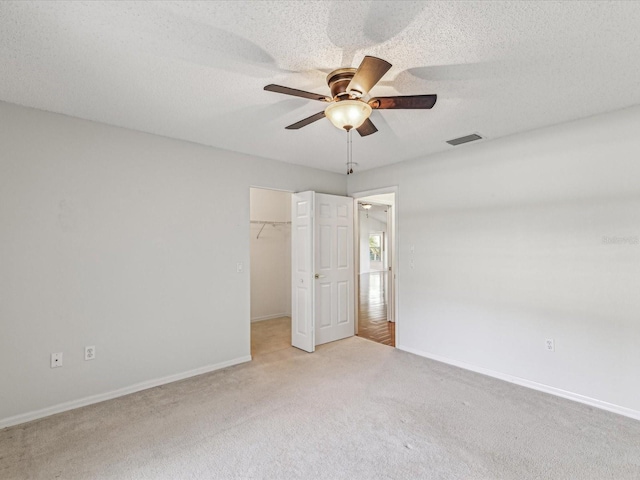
[348, 114]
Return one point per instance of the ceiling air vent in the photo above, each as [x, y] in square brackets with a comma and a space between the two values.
[466, 139]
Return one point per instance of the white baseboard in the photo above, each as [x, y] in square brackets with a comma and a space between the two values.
[101, 397]
[270, 317]
[594, 402]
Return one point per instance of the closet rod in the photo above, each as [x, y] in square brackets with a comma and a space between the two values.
[272, 223]
[264, 224]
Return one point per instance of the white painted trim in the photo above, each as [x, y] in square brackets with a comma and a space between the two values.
[261, 187]
[376, 191]
[395, 246]
[356, 265]
[270, 317]
[576, 397]
[101, 397]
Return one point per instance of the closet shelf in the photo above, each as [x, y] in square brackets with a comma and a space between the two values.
[265, 223]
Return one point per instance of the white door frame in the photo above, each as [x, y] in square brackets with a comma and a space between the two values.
[393, 230]
[248, 262]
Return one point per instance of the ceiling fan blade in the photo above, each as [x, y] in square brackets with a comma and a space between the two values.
[306, 121]
[297, 93]
[367, 128]
[368, 74]
[406, 102]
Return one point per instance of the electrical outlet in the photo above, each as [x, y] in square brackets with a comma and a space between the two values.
[550, 344]
[56, 360]
[90, 352]
[239, 267]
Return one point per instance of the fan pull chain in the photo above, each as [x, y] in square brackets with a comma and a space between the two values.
[349, 153]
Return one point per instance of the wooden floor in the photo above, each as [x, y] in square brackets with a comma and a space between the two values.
[372, 311]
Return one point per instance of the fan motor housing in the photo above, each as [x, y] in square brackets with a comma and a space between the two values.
[339, 80]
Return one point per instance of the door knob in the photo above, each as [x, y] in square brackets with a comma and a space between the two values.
[317, 275]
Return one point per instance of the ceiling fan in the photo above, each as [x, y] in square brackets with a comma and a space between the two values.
[347, 110]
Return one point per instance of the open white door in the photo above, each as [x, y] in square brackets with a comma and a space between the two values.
[391, 268]
[334, 267]
[302, 291]
[322, 264]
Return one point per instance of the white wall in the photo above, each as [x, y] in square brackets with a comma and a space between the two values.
[126, 241]
[270, 255]
[510, 249]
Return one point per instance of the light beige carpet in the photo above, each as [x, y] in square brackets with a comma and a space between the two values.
[352, 410]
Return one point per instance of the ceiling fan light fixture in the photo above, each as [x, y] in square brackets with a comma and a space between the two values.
[348, 114]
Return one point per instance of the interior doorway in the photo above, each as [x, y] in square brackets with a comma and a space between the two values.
[270, 270]
[369, 285]
[376, 268]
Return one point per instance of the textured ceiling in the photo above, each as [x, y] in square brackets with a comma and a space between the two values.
[195, 70]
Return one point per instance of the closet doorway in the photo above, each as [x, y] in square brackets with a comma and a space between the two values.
[270, 270]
